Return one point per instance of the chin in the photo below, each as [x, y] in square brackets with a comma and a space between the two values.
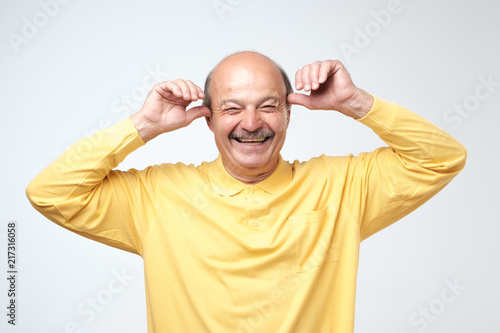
[259, 163]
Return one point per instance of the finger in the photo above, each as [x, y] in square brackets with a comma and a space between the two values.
[193, 90]
[201, 94]
[305, 78]
[299, 99]
[314, 75]
[337, 68]
[298, 80]
[324, 71]
[197, 112]
[167, 87]
[185, 89]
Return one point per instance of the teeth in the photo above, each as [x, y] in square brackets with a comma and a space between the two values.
[252, 143]
[252, 140]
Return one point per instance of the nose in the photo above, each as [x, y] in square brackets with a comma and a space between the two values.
[251, 120]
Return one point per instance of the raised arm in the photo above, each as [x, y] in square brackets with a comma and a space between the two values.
[331, 88]
[81, 192]
[392, 181]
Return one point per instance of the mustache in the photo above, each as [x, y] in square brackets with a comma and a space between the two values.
[251, 135]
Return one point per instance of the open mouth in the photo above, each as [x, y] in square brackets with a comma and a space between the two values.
[252, 138]
[252, 141]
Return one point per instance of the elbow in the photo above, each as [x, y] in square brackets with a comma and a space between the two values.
[463, 156]
[460, 158]
[452, 162]
[447, 160]
[38, 195]
[33, 193]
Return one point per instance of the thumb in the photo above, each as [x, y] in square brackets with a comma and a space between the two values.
[299, 99]
[197, 112]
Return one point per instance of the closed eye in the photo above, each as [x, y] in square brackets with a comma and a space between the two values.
[232, 110]
[268, 107]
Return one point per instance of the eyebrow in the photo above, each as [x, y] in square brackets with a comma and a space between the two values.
[239, 102]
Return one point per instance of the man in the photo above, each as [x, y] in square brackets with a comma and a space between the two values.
[249, 242]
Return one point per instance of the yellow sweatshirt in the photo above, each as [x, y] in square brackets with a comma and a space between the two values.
[223, 256]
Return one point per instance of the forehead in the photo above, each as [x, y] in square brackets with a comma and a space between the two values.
[247, 76]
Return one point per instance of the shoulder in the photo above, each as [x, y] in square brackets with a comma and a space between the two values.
[322, 163]
[161, 173]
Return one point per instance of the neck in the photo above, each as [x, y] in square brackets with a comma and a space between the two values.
[250, 177]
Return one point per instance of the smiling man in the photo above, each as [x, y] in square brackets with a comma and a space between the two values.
[250, 115]
[249, 242]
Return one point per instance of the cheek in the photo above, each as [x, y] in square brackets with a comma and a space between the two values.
[222, 128]
[279, 124]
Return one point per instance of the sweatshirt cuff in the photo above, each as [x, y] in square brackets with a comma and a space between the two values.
[123, 137]
[381, 116]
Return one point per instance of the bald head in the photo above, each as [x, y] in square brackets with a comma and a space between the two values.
[243, 61]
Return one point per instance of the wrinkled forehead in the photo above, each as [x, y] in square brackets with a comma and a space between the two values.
[247, 76]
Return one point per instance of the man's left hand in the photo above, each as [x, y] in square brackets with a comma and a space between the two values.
[331, 88]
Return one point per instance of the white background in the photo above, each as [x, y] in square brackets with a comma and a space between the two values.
[68, 69]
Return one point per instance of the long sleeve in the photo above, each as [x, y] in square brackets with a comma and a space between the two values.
[393, 181]
[81, 192]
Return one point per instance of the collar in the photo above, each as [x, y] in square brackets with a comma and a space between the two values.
[225, 184]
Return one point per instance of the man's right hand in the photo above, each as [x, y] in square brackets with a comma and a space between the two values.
[165, 108]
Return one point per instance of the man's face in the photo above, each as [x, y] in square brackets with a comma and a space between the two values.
[249, 115]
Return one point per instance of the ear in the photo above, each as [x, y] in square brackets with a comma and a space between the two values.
[288, 114]
[209, 123]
